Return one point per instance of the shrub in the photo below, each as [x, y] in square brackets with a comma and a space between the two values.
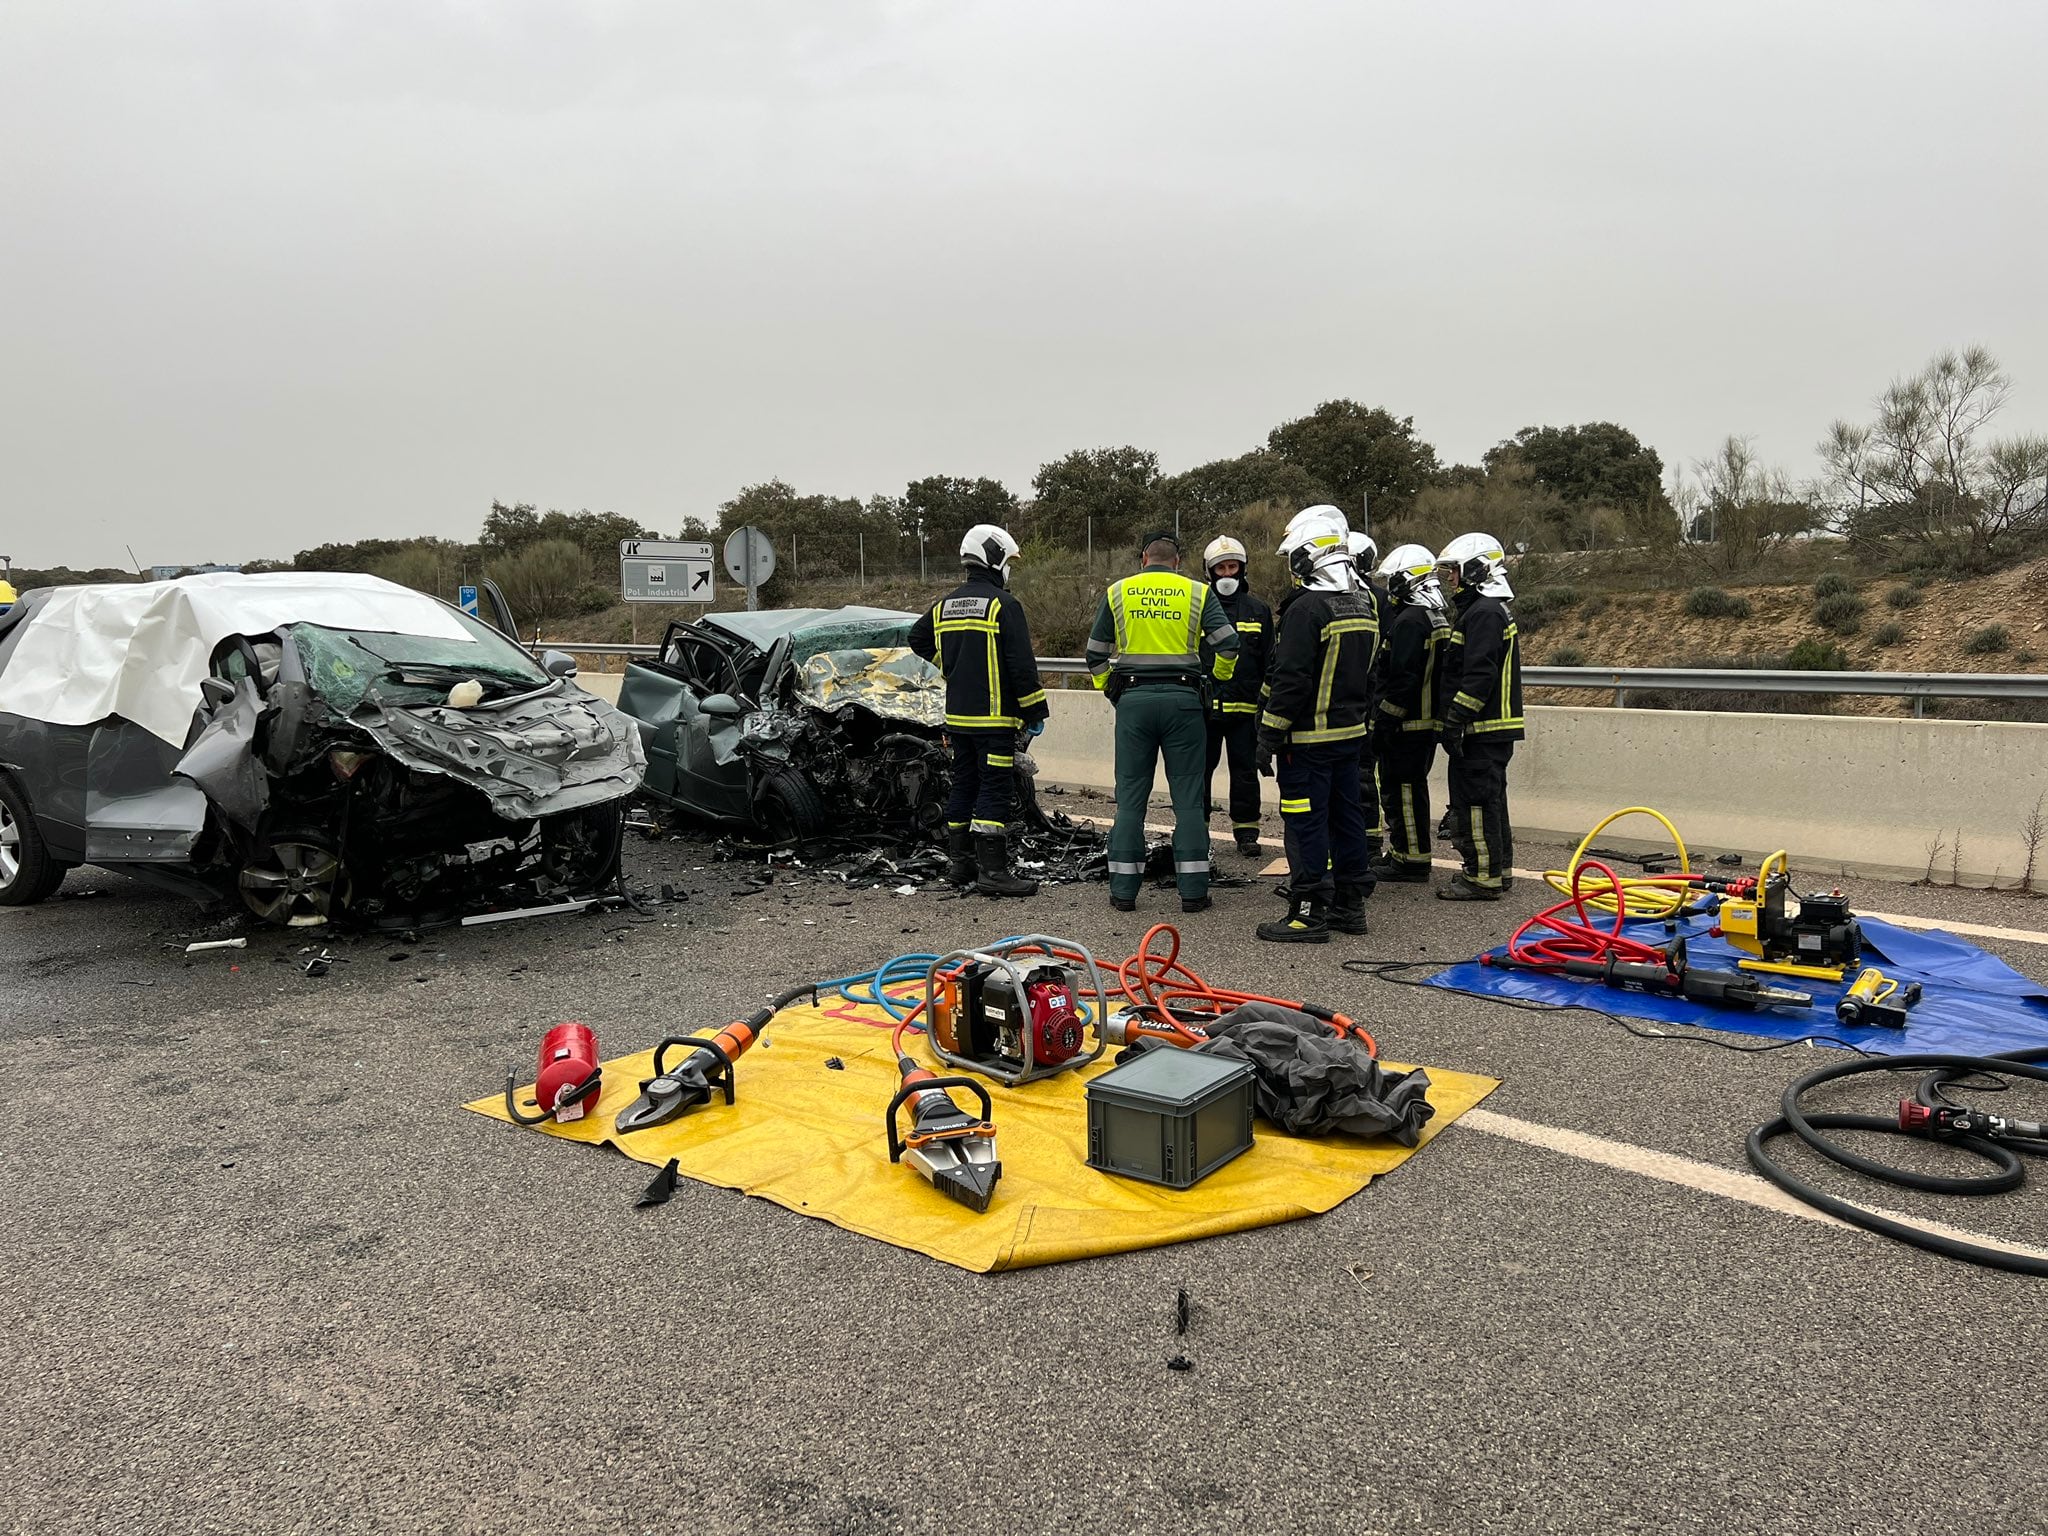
[1839, 613]
[2025, 658]
[1903, 598]
[1833, 584]
[1987, 641]
[1714, 603]
[1564, 597]
[1816, 656]
[1565, 656]
[1891, 632]
[1594, 606]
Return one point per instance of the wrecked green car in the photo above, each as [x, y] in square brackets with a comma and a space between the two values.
[794, 722]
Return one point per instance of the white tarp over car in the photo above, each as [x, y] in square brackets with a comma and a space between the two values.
[141, 650]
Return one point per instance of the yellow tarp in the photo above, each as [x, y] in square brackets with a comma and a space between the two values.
[810, 1138]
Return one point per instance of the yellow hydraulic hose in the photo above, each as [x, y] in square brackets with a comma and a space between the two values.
[1646, 895]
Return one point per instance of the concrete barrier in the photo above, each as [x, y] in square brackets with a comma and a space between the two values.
[1869, 795]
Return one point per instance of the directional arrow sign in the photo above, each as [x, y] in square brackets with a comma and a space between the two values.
[666, 571]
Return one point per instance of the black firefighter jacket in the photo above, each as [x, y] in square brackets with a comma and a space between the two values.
[978, 636]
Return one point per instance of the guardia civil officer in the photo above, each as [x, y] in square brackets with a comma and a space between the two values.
[1404, 724]
[1319, 689]
[979, 636]
[1234, 705]
[1146, 652]
[1479, 701]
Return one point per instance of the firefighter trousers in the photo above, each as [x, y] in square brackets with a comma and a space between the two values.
[1321, 818]
[1404, 763]
[984, 782]
[1479, 810]
[1235, 737]
[1157, 720]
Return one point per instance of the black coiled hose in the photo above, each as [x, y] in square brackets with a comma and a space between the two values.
[1942, 1070]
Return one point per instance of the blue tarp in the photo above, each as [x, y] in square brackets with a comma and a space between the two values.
[1974, 1003]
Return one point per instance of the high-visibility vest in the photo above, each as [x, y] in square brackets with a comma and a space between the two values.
[1158, 616]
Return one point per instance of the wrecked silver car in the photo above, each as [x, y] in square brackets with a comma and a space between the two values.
[324, 746]
[796, 722]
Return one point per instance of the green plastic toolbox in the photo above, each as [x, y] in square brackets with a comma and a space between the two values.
[1169, 1116]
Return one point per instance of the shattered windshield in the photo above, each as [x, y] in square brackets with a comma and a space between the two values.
[345, 667]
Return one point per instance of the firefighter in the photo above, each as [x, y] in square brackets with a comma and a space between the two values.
[979, 636]
[1319, 687]
[1146, 652]
[1234, 706]
[1479, 702]
[1364, 555]
[1404, 723]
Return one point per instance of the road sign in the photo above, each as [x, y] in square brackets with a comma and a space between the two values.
[465, 598]
[750, 559]
[666, 571]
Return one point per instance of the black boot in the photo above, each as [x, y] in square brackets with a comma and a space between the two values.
[1305, 923]
[960, 855]
[1347, 912]
[992, 860]
[1462, 888]
[1248, 843]
[1414, 873]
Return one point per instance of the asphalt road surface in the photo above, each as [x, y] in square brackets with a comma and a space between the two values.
[261, 1272]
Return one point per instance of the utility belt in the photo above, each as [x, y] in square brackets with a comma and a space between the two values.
[1161, 677]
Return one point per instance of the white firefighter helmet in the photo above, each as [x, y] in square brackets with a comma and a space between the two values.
[986, 544]
[1409, 572]
[1315, 537]
[1480, 563]
[1222, 547]
[1363, 551]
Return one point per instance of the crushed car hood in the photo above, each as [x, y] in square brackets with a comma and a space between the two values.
[557, 751]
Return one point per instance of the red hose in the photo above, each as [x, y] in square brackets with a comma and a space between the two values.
[1581, 939]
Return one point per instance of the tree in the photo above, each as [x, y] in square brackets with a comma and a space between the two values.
[1505, 501]
[1114, 490]
[1356, 453]
[1596, 461]
[1744, 509]
[1927, 470]
[1206, 498]
[544, 581]
[945, 506]
[420, 567]
[508, 528]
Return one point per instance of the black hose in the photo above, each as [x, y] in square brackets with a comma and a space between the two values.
[1944, 1070]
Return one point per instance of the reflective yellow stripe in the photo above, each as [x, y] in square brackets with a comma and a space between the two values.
[1505, 723]
[1293, 807]
[988, 722]
[1250, 627]
[1414, 838]
[1000, 762]
[1335, 733]
[1468, 701]
[1030, 699]
[986, 826]
[1273, 722]
[1239, 707]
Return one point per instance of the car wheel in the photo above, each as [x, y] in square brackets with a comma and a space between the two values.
[27, 872]
[788, 808]
[295, 884]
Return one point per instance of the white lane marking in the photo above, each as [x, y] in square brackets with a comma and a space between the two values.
[1708, 1178]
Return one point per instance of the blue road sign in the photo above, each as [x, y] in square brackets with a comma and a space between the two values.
[466, 596]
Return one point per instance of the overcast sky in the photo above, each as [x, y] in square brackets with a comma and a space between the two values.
[283, 271]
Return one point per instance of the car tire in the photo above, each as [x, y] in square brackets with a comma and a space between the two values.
[27, 872]
[787, 807]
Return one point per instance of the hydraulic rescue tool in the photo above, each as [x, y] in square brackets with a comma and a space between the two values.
[568, 1078]
[1869, 1000]
[1821, 941]
[706, 1064]
[1669, 976]
[952, 1149]
[1012, 1011]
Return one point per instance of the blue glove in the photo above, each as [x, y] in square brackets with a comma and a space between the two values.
[1035, 729]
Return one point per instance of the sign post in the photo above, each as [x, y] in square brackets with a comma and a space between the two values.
[466, 600]
[665, 571]
[750, 558]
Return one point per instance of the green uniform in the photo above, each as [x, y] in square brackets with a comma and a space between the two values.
[1146, 653]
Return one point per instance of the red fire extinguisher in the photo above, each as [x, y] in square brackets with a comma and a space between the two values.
[567, 1080]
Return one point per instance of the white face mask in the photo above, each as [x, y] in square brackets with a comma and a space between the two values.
[1226, 586]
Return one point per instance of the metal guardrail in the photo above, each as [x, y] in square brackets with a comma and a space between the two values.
[1623, 681]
